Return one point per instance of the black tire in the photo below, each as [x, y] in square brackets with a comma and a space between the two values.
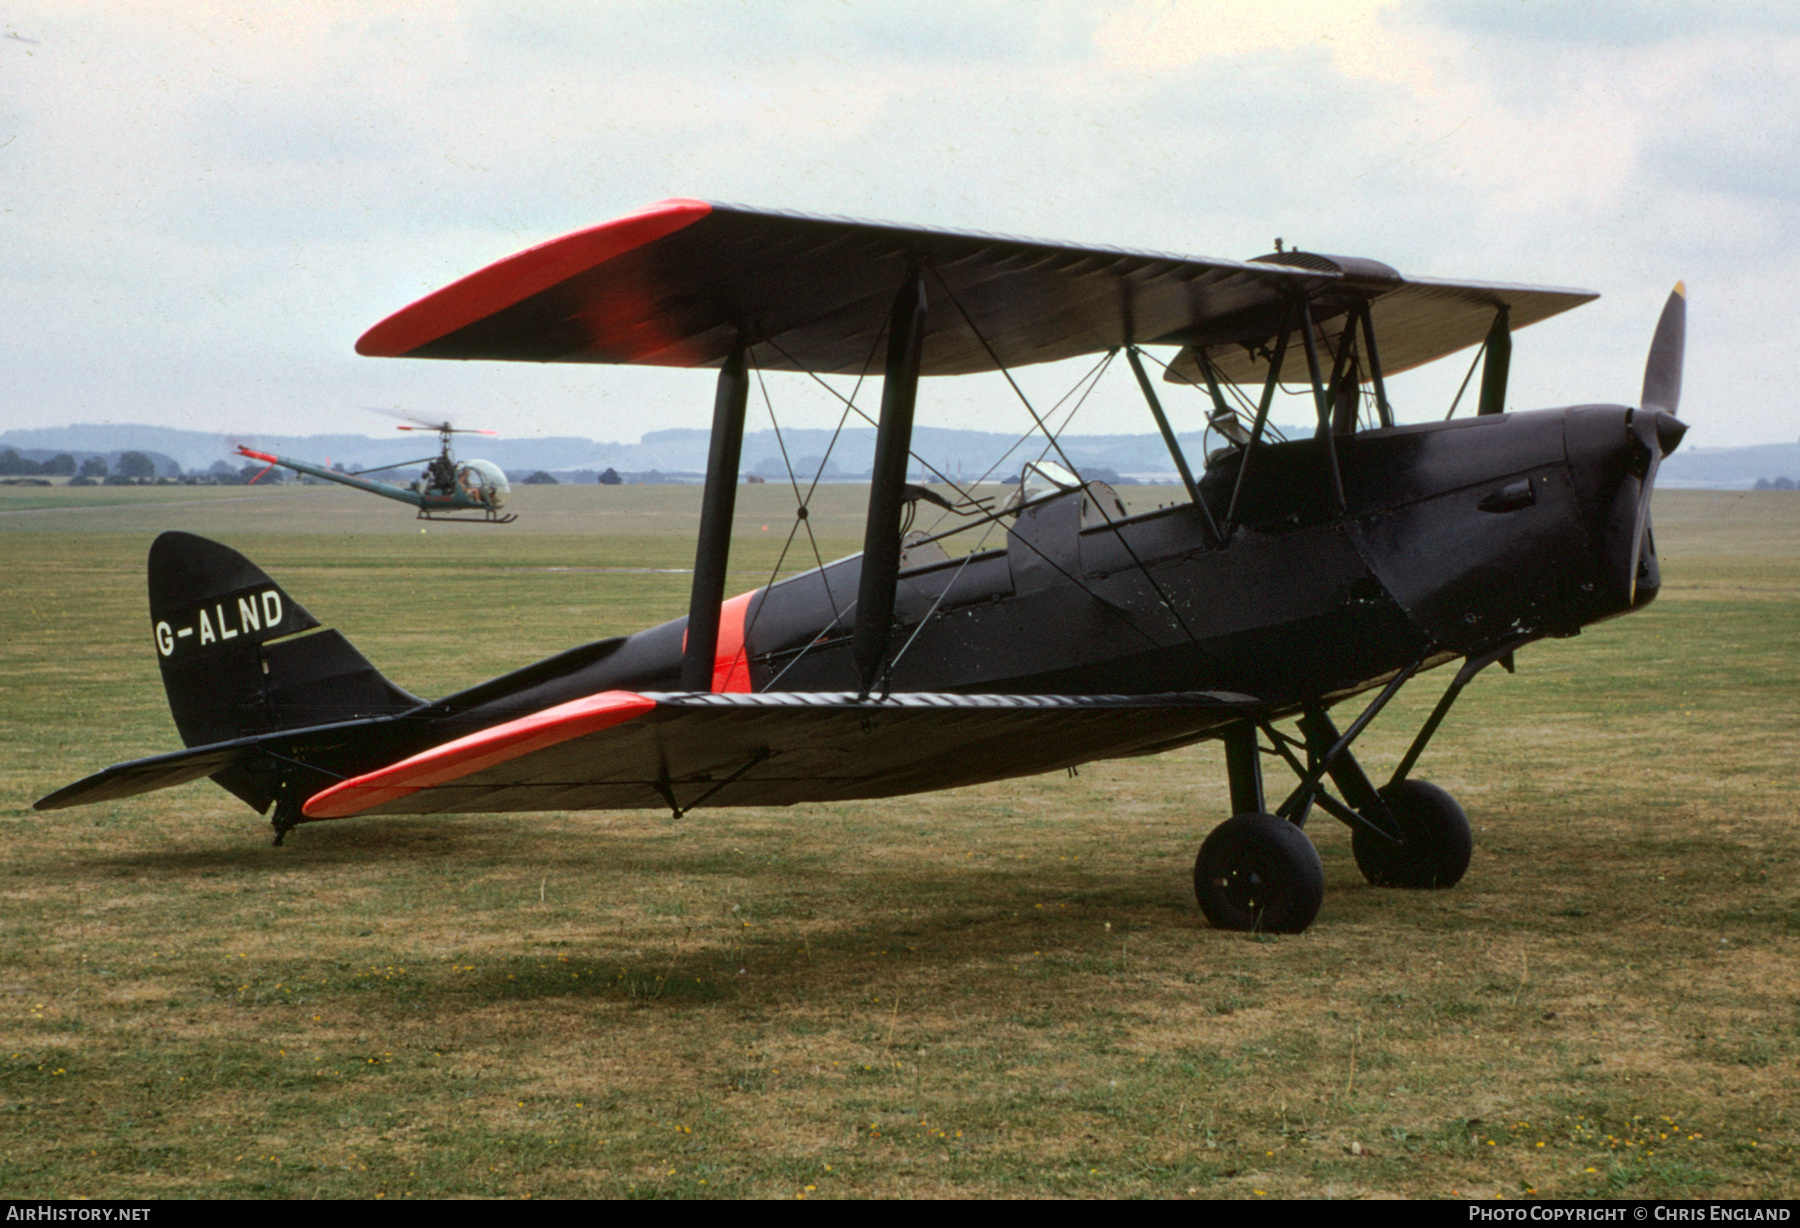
[1258, 872]
[1438, 840]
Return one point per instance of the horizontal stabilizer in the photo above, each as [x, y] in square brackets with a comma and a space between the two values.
[179, 767]
[147, 775]
[622, 750]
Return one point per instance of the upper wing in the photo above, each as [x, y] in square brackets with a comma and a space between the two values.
[678, 283]
[621, 750]
[1416, 319]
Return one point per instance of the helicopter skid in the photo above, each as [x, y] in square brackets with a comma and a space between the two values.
[489, 519]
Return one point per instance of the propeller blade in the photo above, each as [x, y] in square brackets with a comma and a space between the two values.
[1641, 521]
[1662, 372]
[1654, 427]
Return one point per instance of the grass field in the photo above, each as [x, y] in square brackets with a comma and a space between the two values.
[1001, 991]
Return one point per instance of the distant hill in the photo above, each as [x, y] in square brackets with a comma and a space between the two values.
[679, 451]
[1730, 468]
[197, 450]
[672, 451]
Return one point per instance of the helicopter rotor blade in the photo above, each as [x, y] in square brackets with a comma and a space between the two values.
[419, 421]
[448, 430]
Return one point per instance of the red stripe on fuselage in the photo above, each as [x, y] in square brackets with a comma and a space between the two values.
[453, 760]
[731, 663]
[731, 660]
[513, 280]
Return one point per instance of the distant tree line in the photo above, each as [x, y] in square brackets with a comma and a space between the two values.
[127, 469]
[61, 465]
[1776, 484]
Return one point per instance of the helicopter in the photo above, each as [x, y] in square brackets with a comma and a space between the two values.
[446, 485]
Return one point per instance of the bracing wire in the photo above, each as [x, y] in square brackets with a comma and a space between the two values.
[1055, 443]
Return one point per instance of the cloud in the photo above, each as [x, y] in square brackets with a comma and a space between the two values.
[208, 203]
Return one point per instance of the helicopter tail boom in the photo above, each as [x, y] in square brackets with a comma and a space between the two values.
[385, 489]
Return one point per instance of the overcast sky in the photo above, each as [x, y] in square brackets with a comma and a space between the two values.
[204, 205]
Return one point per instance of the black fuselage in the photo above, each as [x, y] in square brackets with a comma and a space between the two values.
[1454, 537]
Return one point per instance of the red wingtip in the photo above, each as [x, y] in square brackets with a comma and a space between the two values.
[518, 277]
[261, 456]
[452, 761]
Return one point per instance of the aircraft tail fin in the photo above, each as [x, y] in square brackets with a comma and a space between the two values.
[236, 659]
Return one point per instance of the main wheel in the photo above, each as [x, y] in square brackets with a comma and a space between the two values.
[1437, 838]
[1258, 872]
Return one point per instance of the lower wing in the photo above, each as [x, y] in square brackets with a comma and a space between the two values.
[622, 750]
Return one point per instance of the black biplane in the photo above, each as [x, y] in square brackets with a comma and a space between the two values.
[1295, 575]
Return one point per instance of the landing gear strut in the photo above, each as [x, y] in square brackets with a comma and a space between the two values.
[1258, 870]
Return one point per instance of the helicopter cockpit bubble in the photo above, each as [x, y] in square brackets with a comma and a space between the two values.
[483, 481]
